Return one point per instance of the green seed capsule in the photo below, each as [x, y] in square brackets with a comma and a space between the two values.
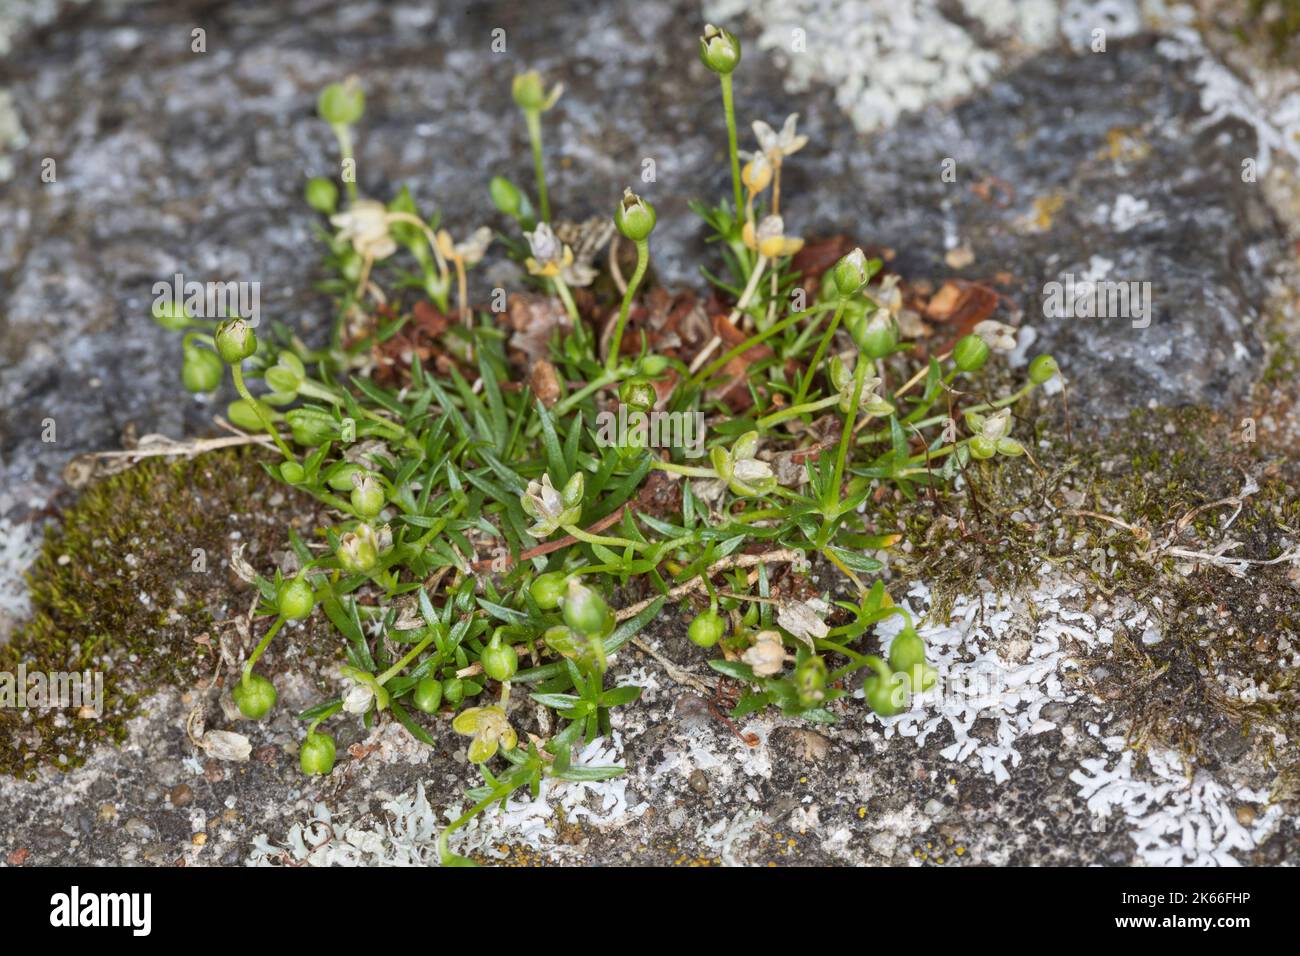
[584, 610]
[970, 353]
[295, 599]
[241, 413]
[877, 336]
[322, 195]
[453, 690]
[367, 495]
[885, 691]
[317, 754]
[499, 660]
[850, 273]
[506, 196]
[292, 472]
[341, 480]
[310, 427]
[638, 394]
[707, 629]
[254, 696]
[653, 365]
[634, 217]
[357, 551]
[719, 50]
[1043, 369]
[906, 650]
[172, 316]
[235, 341]
[982, 448]
[528, 92]
[810, 681]
[907, 656]
[341, 104]
[548, 589]
[201, 370]
[428, 695]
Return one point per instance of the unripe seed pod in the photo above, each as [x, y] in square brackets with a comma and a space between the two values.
[295, 599]
[254, 696]
[317, 754]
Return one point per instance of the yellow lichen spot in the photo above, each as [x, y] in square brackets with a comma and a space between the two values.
[199, 839]
[803, 779]
[862, 813]
[790, 842]
[1125, 144]
[1045, 210]
[960, 850]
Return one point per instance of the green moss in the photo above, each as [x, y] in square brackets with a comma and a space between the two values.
[1278, 21]
[116, 590]
[1149, 472]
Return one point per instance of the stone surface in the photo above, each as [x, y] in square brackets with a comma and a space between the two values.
[196, 166]
[1116, 165]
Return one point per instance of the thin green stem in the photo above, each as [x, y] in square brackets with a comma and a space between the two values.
[238, 375]
[684, 469]
[750, 342]
[642, 260]
[261, 648]
[859, 377]
[562, 289]
[794, 411]
[602, 539]
[609, 378]
[534, 120]
[937, 419]
[344, 135]
[928, 457]
[729, 108]
[406, 659]
[822, 346]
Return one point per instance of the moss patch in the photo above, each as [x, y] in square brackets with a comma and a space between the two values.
[1221, 679]
[117, 589]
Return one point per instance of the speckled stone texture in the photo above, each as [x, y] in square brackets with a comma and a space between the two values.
[170, 161]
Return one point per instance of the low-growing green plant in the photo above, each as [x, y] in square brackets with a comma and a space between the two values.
[421, 479]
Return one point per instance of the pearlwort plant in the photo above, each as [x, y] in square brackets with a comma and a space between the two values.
[477, 525]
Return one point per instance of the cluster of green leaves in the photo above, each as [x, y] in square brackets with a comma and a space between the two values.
[422, 481]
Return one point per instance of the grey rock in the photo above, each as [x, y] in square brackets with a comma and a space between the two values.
[197, 166]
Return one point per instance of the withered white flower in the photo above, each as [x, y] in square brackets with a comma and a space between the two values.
[757, 174]
[990, 435]
[469, 251]
[357, 697]
[226, 745]
[552, 509]
[740, 469]
[996, 335]
[767, 656]
[769, 239]
[549, 256]
[868, 400]
[779, 145]
[997, 425]
[365, 225]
